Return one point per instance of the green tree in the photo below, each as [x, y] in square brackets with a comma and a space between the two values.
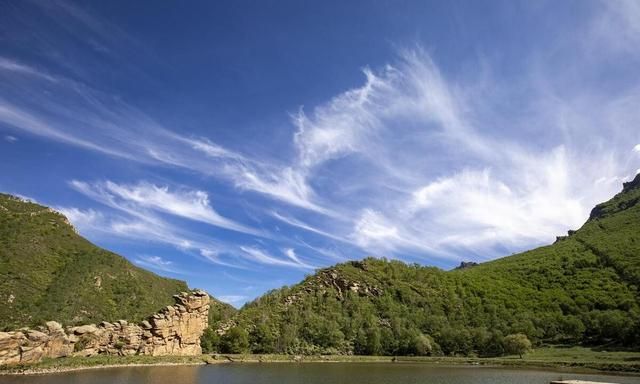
[210, 341]
[517, 344]
[262, 339]
[455, 341]
[373, 344]
[424, 345]
[572, 328]
[236, 340]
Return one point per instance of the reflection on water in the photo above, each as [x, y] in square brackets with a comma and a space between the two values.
[311, 373]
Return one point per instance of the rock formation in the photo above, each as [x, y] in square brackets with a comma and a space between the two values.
[467, 264]
[175, 330]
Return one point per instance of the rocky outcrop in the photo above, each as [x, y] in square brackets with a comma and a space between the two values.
[466, 264]
[331, 281]
[175, 330]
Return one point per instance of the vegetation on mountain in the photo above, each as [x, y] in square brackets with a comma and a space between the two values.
[49, 272]
[583, 289]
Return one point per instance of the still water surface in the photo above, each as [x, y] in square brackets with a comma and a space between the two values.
[311, 373]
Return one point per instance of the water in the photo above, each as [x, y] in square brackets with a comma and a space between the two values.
[312, 373]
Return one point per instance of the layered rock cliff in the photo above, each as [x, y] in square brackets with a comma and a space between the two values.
[175, 330]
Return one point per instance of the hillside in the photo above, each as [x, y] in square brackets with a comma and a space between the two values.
[583, 289]
[48, 271]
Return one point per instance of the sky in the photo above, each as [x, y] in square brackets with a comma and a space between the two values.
[241, 145]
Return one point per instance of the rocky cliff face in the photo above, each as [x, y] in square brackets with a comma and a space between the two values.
[175, 330]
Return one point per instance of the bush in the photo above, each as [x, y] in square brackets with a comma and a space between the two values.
[236, 340]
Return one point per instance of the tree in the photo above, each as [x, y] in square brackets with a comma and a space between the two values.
[373, 345]
[455, 341]
[423, 345]
[262, 339]
[210, 341]
[572, 328]
[517, 344]
[236, 340]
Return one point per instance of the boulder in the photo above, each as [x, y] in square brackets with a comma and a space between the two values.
[81, 330]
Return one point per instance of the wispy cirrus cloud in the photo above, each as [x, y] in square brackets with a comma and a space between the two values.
[261, 256]
[13, 66]
[300, 224]
[190, 204]
[497, 193]
[94, 120]
[140, 202]
[419, 160]
[158, 263]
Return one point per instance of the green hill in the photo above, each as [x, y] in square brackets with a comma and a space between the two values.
[583, 289]
[49, 272]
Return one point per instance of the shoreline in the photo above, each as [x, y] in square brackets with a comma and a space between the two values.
[50, 371]
[71, 364]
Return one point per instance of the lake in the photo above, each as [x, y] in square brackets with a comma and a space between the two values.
[312, 373]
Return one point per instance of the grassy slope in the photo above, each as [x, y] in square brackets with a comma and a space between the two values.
[583, 288]
[47, 271]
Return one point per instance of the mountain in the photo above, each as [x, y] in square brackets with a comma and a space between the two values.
[583, 289]
[49, 272]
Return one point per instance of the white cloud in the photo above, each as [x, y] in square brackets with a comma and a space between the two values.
[616, 29]
[92, 120]
[190, 204]
[300, 224]
[260, 256]
[287, 185]
[339, 126]
[18, 118]
[234, 300]
[10, 139]
[157, 263]
[405, 119]
[83, 219]
[12, 66]
[141, 224]
[637, 148]
[291, 254]
[372, 227]
[144, 227]
[474, 209]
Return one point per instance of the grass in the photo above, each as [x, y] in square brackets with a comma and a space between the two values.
[549, 357]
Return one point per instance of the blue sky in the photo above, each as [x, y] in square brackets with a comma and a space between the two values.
[240, 145]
